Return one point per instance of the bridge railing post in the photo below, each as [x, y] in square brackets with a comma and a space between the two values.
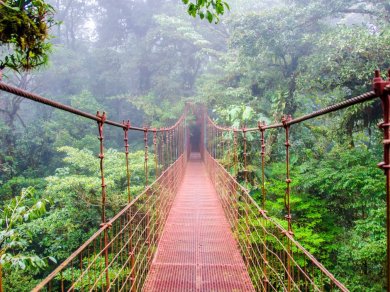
[246, 208]
[382, 88]
[235, 162]
[149, 203]
[130, 250]
[285, 122]
[102, 119]
[261, 126]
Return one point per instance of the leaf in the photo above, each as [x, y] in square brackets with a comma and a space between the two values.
[219, 8]
[209, 16]
[247, 113]
[52, 259]
[22, 265]
[10, 7]
[192, 9]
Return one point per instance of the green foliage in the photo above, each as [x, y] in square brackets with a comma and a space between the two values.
[13, 243]
[346, 194]
[75, 196]
[239, 116]
[312, 225]
[24, 29]
[16, 184]
[346, 59]
[209, 9]
[115, 271]
[144, 59]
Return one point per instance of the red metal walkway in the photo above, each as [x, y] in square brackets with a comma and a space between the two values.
[197, 251]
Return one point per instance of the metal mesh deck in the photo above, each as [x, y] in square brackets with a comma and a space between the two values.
[197, 251]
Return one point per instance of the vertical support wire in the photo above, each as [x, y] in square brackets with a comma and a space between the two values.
[247, 219]
[103, 118]
[285, 122]
[155, 153]
[235, 143]
[169, 148]
[245, 156]
[146, 170]
[261, 126]
[128, 177]
[126, 126]
[101, 157]
[148, 204]
[229, 152]
[223, 146]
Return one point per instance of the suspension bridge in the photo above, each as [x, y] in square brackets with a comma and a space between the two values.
[195, 227]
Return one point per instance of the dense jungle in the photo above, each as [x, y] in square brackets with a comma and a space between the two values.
[143, 60]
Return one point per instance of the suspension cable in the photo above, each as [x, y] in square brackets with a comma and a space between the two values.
[37, 98]
[332, 108]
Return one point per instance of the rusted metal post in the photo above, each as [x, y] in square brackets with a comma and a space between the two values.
[102, 119]
[228, 154]
[155, 153]
[157, 216]
[169, 148]
[146, 170]
[209, 138]
[173, 145]
[214, 142]
[235, 145]
[247, 219]
[164, 149]
[382, 89]
[126, 126]
[245, 156]
[285, 121]
[185, 137]
[235, 165]
[217, 144]
[223, 140]
[262, 140]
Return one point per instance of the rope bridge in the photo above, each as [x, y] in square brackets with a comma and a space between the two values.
[160, 240]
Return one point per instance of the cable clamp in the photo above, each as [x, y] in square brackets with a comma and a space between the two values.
[107, 225]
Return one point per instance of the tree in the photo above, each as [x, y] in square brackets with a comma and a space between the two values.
[13, 243]
[24, 33]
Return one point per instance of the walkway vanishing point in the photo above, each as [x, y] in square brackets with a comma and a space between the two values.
[197, 251]
[194, 227]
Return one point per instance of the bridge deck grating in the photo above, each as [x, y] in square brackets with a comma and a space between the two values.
[197, 250]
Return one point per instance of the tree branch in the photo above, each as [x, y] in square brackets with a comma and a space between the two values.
[357, 11]
[20, 119]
